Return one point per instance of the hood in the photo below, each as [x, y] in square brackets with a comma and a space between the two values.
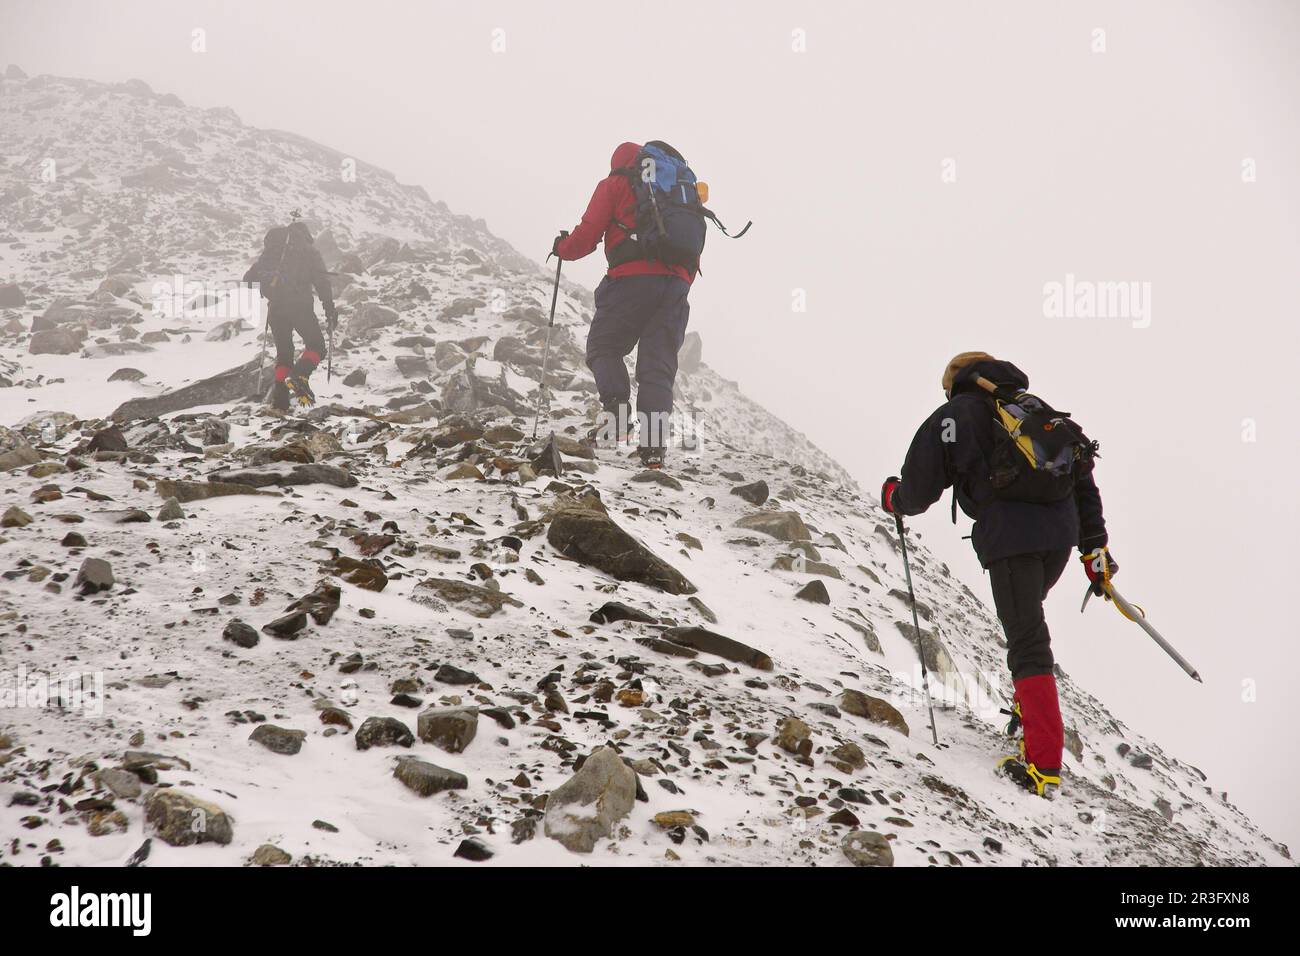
[996, 371]
[624, 156]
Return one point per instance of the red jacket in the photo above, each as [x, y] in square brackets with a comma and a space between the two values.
[611, 204]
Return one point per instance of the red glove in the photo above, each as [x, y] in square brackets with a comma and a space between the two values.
[887, 492]
[1100, 568]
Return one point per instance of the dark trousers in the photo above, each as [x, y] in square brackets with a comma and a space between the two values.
[648, 313]
[1020, 585]
[290, 319]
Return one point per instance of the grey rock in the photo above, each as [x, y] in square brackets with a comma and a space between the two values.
[701, 639]
[270, 855]
[95, 575]
[171, 510]
[187, 491]
[426, 778]
[181, 819]
[56, 341]
[237, 632]
[755, 493]
[451, 728]
[872, 708]
[232, 385]
[587, 806]
[475, 600]
[867, 848]
[782, 525]
[280, 740]
[121, 783]
[592, 538]
[814, 591]
[383, 732]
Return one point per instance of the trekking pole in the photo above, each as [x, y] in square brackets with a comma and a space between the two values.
[261, 360]
[329, 354]
[1136, 614]
[916, 626]
[546, 352]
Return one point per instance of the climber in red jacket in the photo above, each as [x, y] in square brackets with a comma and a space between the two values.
[641, 303]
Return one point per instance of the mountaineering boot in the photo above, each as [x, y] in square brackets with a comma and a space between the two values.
[298, 379]
[614, 426]
[652, 457]
[1040, 714]
[1045, 783]
[300, 392]
[280, 398]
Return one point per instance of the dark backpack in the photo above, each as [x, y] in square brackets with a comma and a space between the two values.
[1038, 452]
[284, 264]
[670, 215]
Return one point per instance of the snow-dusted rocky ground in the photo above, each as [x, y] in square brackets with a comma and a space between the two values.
[422, 470]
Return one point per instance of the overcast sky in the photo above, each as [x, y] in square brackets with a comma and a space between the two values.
[917, 173]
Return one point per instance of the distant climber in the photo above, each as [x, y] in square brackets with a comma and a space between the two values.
[649, 211]
[288, 270]
[1023, 471]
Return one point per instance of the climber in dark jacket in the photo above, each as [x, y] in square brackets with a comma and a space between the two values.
[1023, 545]
[288, 271]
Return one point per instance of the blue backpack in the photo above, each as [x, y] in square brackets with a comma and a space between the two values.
[670, 216]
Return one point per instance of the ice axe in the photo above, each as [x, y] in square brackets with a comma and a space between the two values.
[1136, 614]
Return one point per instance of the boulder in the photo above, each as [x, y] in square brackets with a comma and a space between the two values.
[280, 740]
[426, 778]
[755, 492]
[56, 341]
[94, 575]
[240, 634]
[867, 848]
[181, 819]
[782, 525]
[691, 355]
[383, 732]
[586, 807]
[814, 591]
[451, 728]
[11, 296]
[701, 639]
[872, 708]
[187, 491]
[240, 382]
[470, 598]
[591, 538]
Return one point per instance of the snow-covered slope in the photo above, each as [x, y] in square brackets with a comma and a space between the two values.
[418, 479]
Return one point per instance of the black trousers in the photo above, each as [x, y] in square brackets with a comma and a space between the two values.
[1020, 585]
[648, 313]
[290, 319]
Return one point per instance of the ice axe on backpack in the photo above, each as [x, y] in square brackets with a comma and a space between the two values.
[1138, 616]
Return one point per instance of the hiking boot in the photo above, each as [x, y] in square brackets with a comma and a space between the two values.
[652, 458]
[1045, 783]
[280, 396]
[614, 426]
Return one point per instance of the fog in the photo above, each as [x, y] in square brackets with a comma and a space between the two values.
[916, 174]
